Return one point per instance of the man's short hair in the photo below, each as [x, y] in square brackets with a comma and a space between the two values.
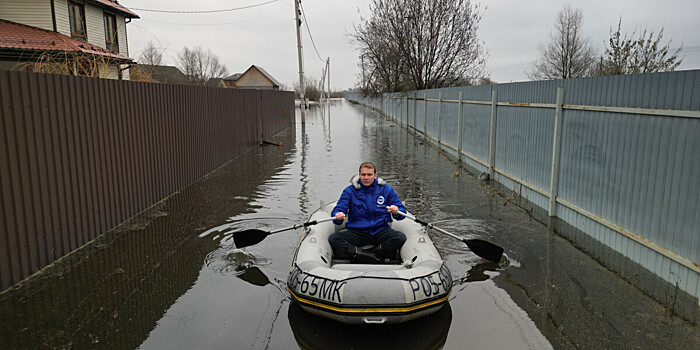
[368, 165]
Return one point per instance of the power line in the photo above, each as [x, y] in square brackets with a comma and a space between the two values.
[204, 11]
[215, 24]
[690, 48]
[512, 66]
[303, 13]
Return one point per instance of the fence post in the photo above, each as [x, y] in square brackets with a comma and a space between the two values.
[556, 149]
[459, 130]
[492, 142]
[439, 118]
[415, 102]
[391, 107]
[406, 120]
[425, 115]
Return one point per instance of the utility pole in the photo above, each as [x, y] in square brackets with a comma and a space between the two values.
[362, 57]
[297, 21]
[328, 68]
[322, 82]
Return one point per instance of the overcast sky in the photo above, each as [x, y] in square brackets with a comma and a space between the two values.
[265, 35]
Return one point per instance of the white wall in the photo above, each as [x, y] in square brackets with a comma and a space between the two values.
[253, 78]
[94, 23]
[62, 21]
[121, 36]
[36, 13]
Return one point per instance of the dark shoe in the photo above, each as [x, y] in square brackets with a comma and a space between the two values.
[363, 256]
[391, 255]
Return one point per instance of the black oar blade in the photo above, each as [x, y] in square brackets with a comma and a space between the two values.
[248, 237]
[486, 250]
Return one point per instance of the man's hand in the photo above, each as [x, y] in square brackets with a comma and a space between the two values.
[393, 209]
[341, 216]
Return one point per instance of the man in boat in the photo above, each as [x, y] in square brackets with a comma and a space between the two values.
[365, 205]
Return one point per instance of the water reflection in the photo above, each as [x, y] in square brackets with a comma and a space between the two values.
[254, 276]
[176, 281]
[114, 292]
[479, 273]
[304, 176]
[312, 332]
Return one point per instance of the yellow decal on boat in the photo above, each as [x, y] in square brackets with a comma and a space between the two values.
[370, 310]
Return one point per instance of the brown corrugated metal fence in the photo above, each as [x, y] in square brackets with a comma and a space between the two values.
[80, 155]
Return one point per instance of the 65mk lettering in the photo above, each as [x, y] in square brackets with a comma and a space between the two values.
[317, 286]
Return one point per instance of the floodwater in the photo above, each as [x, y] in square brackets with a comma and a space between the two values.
[171, 278]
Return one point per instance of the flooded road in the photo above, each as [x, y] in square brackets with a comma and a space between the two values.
[171, 278]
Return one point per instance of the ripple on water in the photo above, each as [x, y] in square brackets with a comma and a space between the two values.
[233, 261]
[229, 260]
[226, 230]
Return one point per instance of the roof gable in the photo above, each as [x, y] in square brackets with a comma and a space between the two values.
[215, 82]
[267, 75]
[264, 73]
[233, 77]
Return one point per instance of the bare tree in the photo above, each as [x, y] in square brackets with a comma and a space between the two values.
[419, 44]
[151, 55]
[485, 81]
[567, 54]
[200, 65]
[311, 90]
[625, 55]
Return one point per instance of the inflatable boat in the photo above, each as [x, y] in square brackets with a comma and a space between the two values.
[415, 284]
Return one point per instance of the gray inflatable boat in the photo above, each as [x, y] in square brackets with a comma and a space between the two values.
[416, 284]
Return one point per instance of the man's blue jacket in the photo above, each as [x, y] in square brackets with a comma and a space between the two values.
[365, 207]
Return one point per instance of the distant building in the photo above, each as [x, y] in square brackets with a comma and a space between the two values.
[158, 74]
[216, 82]
[230, 80]
[253, 78]
[86, 37]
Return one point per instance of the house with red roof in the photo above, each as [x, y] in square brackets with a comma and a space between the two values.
[79, 37]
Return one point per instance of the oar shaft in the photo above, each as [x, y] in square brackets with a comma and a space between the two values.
[429, 225]
[303, 225]
[486, 250]
[445, 232]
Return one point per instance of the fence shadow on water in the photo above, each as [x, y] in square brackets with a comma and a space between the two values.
[81, 155]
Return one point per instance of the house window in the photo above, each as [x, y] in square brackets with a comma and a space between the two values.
[111, 32]
[76, 15]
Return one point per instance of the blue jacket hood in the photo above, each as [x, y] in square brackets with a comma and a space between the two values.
[365, 207]
[357, 183]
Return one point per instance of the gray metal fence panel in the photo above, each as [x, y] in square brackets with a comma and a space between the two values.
[629, 158]
[477, 123]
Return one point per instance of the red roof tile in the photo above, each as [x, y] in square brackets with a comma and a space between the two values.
[115, 5]
[23, 37]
